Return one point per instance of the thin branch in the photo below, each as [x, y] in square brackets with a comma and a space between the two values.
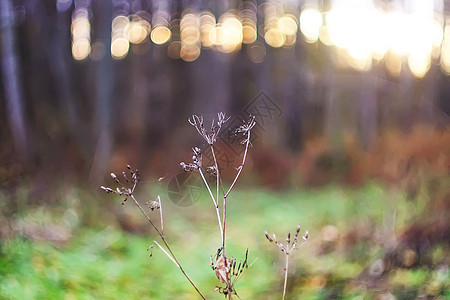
[247, 143]
[216, 206]
[161, 214]
[286, 270]
[168, 255]
[224, 218]
[217, 171]
[165, 243]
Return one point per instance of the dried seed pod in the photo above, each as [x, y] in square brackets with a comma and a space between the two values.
[125, 176]
[268, 237]
[150, 248]
[107, 189]
[221, 270]
[153, 205]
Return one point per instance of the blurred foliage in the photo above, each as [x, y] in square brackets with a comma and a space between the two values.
[360, 246]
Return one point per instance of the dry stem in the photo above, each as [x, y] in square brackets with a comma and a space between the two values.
[172, 255]
[286, 270]
[129, 193]
[216, 205]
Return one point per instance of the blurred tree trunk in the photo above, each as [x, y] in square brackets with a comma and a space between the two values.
[103, 94]
[333, 115]
[369, 113]
[59, 60]
[295, 94]
[11, 79]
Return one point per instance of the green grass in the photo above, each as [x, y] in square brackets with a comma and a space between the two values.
[101, 261]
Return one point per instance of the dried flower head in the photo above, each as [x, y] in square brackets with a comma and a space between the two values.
[153, 205]
[288, 248]
[212, 171]
[211, 135]
[196, 161]
[124, 188]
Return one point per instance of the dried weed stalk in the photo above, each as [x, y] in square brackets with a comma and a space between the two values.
[126, 188]
[222, 266]
[228, 270]
[288, 249]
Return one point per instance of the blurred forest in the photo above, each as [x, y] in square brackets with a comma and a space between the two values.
[71, 115]
[352, 104]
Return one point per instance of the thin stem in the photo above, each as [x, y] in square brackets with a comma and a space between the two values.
[216, 206]
[161, 214]
[286, 270]
[217, 170]
[145, 214]
[224, 218]
[241, 166]
[167, 245]
[165, 252]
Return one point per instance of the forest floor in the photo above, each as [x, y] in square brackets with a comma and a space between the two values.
[372, 242]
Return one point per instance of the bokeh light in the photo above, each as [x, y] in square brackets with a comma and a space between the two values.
[274, 37]
[161, 33]
[119, 39]
[138, 29]
[367, 32]
[190, 37]
[310, 24]
[247, 15]
[207, 24]
[228, 35]
[81, 34]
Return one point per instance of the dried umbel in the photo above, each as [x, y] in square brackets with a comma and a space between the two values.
[224, 268]
[211, 135]
[245, 128]
[196, 163]
[287, 249]
[212, 171]
[125, 188]
[154, 205]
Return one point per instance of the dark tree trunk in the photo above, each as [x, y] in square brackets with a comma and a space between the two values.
[11, 80]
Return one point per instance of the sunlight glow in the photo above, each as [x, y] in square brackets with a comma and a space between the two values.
[360, 32]
[445, 51]
[310, 23]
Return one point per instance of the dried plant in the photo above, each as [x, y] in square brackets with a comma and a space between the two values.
[223, 266]
[288, 249]
[126, 189]
[227, 269]
[231, 268]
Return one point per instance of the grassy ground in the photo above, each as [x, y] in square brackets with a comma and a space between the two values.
[356, 248]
